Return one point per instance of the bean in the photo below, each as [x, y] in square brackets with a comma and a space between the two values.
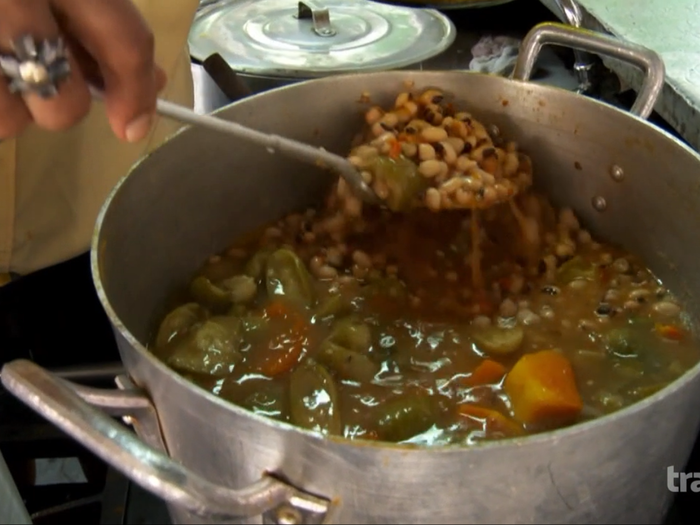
[409, 149]
[547, 312]
[401, 99]
[431, 168]
[564, 250]
[373, 115]
[666, 308]
[465, 199]
[584, 237]
[448, 153]
[527, 317]
[481, 321]
[456, 143]
[640, 295]
[433, 134]
[432, 199]
[361, 259]
[426, 152]
[568, 220]
[430, 96]
[621, 265]
[508, 308]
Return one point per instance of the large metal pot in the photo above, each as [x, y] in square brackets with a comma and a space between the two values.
[628, 180]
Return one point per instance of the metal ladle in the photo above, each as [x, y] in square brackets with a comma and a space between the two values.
[273, 143]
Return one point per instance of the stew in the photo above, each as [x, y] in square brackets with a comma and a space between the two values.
[429, 328]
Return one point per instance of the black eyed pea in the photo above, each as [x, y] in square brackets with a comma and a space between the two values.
[430, 96]
[464, 163]
[448, 153]
[432, 199]
[401, 99]
[431, 168]
[433, 134]
[456, 143]
[426, 152]
[373, 115]
[666, 308]
[409, 149]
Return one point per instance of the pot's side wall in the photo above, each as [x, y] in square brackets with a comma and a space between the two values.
[191, 197]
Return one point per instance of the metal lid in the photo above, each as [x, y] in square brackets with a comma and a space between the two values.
[283, 38]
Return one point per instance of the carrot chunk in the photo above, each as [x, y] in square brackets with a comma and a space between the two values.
[542, 388]
[492, 420]
[488, 372]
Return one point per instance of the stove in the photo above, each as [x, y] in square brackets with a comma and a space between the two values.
[58, 480]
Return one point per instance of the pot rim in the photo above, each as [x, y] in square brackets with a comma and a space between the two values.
[529, 440]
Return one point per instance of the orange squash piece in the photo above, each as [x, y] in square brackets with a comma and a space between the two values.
[493, 419]
[542, 388]
[489, 372]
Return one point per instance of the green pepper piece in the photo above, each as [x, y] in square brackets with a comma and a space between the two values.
[621, 342]
[333, 305]
[498, 341]
[179, 321]
[255, 266]
[402, 179]
[349, 365]
[287, 276]
[574, 269]
[352, 334]
[404, 418]
[313, 399]
[209, 295]
[212, 349]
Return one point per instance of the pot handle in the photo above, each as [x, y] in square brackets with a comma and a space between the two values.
[551, 33]
[72, 408]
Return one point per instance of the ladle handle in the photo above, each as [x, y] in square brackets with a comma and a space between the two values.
[273, 143]
[551, 33]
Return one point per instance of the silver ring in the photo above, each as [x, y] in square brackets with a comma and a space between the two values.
[36, 67]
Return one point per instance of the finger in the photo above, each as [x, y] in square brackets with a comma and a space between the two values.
[71, 104]
[120, 41]
[14, 115]
[161, 79]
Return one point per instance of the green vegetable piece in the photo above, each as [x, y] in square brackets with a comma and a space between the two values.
[498, 341]
[313, 399]
[242, 288]
[212, 349]
[255, 267]
[621, 342]
[209, 295]
[401, 177]
[404, 418]
[287, 276]
[178, 322]
[642, 392]
[352, 334]
[347, 364]
[574, 269]
[336, 304]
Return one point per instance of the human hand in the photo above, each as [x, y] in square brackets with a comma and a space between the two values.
[109, 43]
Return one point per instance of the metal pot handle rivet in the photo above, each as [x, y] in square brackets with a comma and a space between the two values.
[645, 59]
[319, 15]
[72, 408]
